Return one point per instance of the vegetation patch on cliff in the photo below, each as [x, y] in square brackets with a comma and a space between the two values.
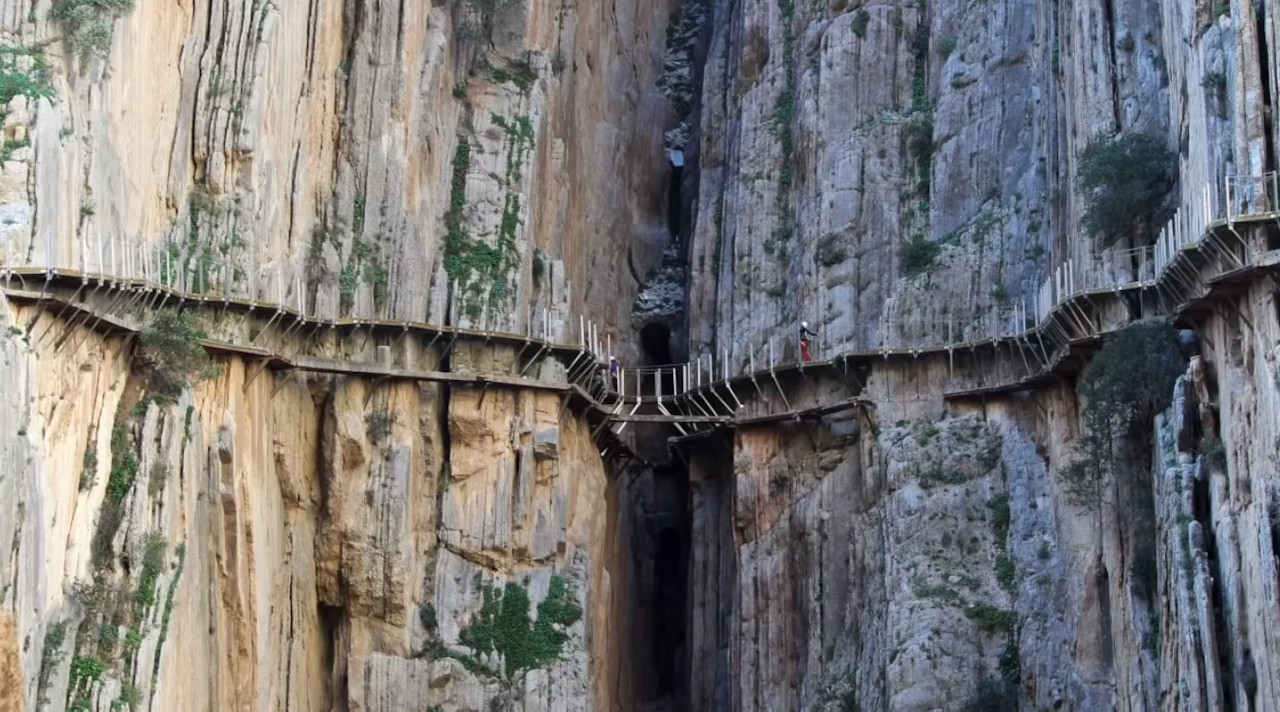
[181, 552]
[503, 625]
[23, 71]
[88, 23]
[204, 259]
[1125, 385]
[364, 265]
[477, 268]
[1123, 179]
[173, 358]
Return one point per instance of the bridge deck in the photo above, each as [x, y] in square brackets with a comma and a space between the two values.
[1053, 346]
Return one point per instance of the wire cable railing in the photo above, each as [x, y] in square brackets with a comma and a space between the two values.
[120, 262]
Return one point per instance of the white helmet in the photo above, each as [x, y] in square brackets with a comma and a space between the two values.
[804, 324]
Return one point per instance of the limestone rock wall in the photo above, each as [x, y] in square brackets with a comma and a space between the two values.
[926, 555]
[897, 172]
[337, 143]
[290, 543]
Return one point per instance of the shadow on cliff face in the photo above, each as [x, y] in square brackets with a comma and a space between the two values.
[668, 631]
[655, 341]
[659, 595]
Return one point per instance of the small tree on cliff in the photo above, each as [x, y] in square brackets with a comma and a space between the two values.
[1123, 180]
[172, 355]
[1125, 385]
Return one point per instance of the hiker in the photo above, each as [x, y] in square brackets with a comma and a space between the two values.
[805, 333]
[613, 373]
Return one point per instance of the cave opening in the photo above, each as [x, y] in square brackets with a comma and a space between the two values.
[655, 342]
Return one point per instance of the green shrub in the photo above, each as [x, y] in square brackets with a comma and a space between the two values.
[919, 137]
[1011, 662]
[1129, 381]
[946, 46]
[378, 425]
[52, 654]
[860, 20]
[918, 255]
[85, 671]
[1000, 516]
[124, 470]
[1006, 573]
[32, 83]
[130, 696]
[503, 625]
[89, 473]
[1123, 179]
[990, 618]
[173, 355]
[1214, 452]
[427, 614]
[87, 23]
[153, 556]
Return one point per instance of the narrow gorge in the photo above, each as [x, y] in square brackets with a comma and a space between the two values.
[448, 356]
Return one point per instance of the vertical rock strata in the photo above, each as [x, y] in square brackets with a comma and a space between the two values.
[263, 542]
[895, 173]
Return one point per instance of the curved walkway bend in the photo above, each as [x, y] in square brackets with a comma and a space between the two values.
[1187, 272]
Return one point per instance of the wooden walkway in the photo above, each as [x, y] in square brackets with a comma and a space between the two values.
[1056, 345]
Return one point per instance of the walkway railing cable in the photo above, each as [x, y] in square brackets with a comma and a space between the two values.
[132, 273]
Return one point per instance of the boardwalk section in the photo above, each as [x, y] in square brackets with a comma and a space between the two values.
[1206, 252]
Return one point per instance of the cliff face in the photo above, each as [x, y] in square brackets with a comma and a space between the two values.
[895, 174]
[877, 168]
[264, 542]
[275, 543]
[414, 162]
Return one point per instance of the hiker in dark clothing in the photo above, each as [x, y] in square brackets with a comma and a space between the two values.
[805, 334]
[613, 373]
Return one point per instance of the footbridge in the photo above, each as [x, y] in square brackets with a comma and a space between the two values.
[1212, 248]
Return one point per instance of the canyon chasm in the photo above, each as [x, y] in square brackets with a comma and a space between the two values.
[307, 312]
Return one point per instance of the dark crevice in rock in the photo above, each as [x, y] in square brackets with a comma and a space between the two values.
[1102, 584]
[1113, 68]
[655, 340]
[330, 618]
[1201, 500]
[660, 548]
[669, 594]
[1264, 85]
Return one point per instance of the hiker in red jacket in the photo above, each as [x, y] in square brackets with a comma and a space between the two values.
[805, 333]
